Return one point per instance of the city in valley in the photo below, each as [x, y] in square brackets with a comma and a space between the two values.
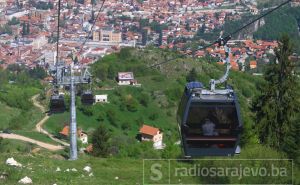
[29, 29]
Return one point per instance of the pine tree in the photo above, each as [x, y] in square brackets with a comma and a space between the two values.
[192, 76]
[23, 28]
[277, 107]
[187, 26]
[27, 29]
[76, 60]
[160, 38]
[100, 141]
[93, 16]
[144, 37]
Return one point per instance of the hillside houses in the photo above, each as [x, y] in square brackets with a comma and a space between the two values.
[120, 25]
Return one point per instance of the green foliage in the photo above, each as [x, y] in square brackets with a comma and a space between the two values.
[16, 97]
[37, 73]
[5, 29]
[13, 21]
[131, 103]
[42, 5]
[286, 17]
[76, 11]
[174, 94]
[101, 116]
[192, 76]
[87, 110]
[111, 117]
[278, 105]
[144, 37]
[144, 99]
[153, 116]
[100, 141]
[25, 29]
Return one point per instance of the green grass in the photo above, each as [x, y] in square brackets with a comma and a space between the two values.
[6, 114]
[37, 136]
[89, 123]
[41, 168]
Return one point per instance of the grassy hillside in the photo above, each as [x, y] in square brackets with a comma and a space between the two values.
[154, 103]
[41, 168]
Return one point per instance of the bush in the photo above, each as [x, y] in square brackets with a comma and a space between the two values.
[87, 110]
[100, 141]
[101, 116]
[126, 126]
[144, 99]
[111, 116]
[153, 116]
[131, 103]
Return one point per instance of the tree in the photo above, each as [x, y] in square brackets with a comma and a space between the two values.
[13, 21]
[192, 76]
[92, 17]
[76, 11]
[27, 29]
[187, 26]
[6, 29]
[277, 107]
[24, 29]
[111, 72]
[100, 141]
[76, 60]
[160, 38]
[144, 37]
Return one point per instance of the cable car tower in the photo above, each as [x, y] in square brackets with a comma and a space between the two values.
[69, 76]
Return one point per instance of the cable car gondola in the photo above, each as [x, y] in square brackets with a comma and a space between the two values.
[57, 103]
[87, 98]
[209, 122]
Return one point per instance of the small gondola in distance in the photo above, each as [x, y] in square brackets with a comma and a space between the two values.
[87, 98]
[57, 103]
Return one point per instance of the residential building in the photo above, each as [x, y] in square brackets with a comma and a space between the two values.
[149, 133]
[126, 78]
[101, 98]
[82, 135]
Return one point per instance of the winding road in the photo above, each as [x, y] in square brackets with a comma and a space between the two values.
[38, 128]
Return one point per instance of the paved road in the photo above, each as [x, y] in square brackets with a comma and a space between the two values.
[39, 125]
[26, 139]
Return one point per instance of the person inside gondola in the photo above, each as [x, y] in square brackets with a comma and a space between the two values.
[208, 128]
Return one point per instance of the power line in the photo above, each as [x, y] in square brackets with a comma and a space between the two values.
[228, 37]
[89, 34]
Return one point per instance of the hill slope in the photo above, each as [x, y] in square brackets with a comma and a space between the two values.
[154, 103]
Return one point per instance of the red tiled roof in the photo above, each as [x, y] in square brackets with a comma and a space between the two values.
[65, 131]
[145, 129]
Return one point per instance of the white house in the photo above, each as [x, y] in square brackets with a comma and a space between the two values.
[83, 137]
[126, 78]
[101, 98]
[149, 133]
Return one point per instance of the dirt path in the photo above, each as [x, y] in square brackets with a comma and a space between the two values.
[26, 139]
[39, 125]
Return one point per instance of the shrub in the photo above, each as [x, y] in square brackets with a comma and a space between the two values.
[100, 141]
